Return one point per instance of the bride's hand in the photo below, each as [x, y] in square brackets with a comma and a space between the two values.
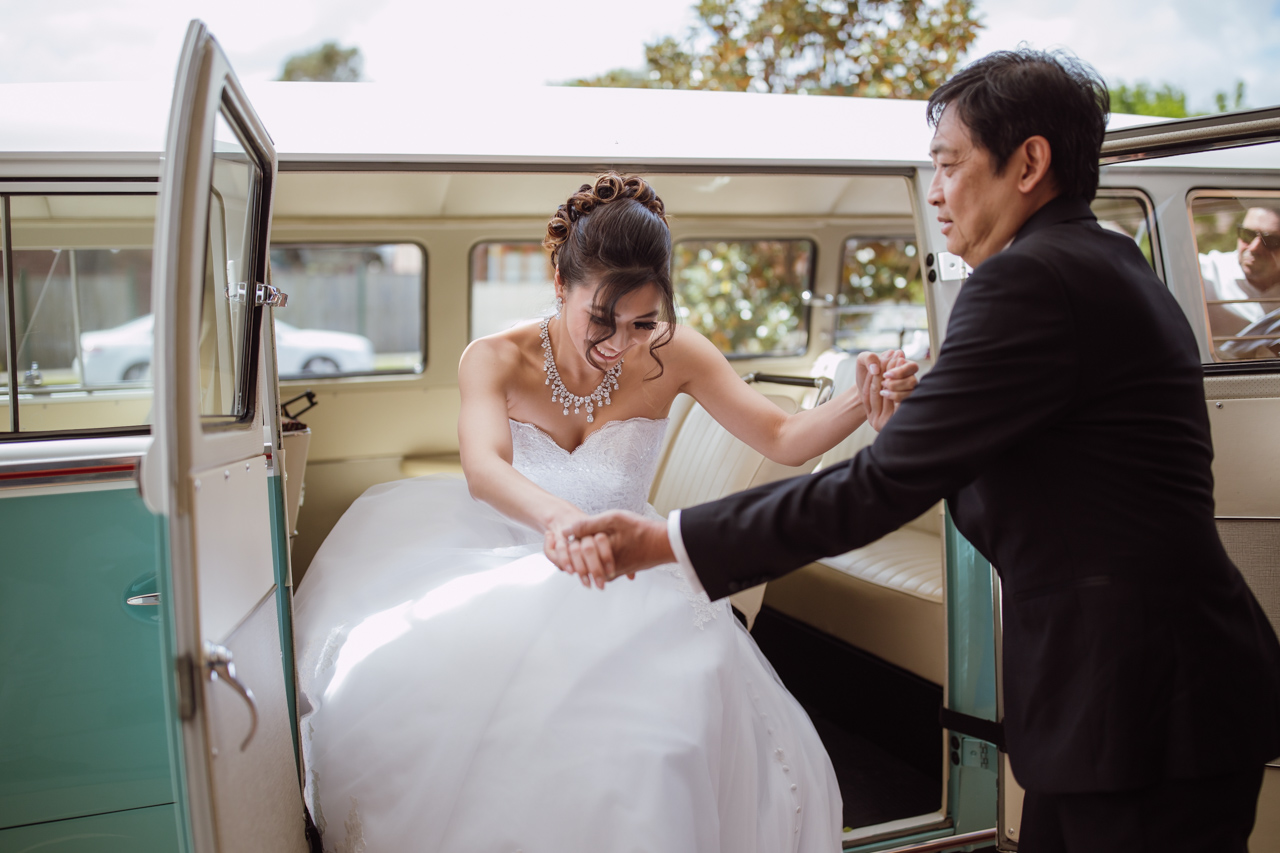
[884, 380]
[602, 547]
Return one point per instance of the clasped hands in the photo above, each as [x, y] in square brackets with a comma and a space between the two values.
[602, 547]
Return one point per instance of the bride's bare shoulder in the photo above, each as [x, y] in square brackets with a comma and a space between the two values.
[689, 348]
[502, 354]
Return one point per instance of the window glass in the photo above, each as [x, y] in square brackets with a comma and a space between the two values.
[1238, 243]
[880, 302]
[353, 308]
[227, 303]
[510, 282]
[1126, 214]
[82, 306]
[747, 296]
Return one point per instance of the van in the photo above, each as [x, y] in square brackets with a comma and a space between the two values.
[155, 517]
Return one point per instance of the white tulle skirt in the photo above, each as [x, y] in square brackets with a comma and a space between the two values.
[466, 696]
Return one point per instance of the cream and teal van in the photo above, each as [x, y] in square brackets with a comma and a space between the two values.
[336, 247]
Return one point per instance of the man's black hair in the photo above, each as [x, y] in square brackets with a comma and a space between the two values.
[1011, 95]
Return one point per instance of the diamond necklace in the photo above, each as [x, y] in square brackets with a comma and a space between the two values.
[561, 394]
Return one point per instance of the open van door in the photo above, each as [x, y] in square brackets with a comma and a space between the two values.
[207, 473]
[1243, 396]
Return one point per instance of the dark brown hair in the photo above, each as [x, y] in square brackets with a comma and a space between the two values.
[1009, 96]
[615, 231]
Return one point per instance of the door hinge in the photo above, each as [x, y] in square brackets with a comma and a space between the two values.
[977, 753]
[186, 680]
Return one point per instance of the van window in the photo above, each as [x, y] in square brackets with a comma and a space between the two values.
[749, 297]
[81, 292]
[354, 308]
[1238, 246]
[880, 302]
[1127, 212]
[510, 282]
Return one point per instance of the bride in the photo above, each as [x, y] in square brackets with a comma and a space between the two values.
[464, 695]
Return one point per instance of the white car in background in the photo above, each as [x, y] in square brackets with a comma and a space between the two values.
[123, 353]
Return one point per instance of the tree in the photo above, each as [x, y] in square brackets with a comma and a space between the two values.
[327, 63]
[1167, 100]
[869, 48]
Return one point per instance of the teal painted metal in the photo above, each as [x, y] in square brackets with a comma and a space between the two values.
[82, 715]
[149, 830]
[971, 670]
[284, 598]
[169, 681]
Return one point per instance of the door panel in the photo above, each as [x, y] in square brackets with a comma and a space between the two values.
[267, 765]
[82, 717]
[233, 559]
[207, 472]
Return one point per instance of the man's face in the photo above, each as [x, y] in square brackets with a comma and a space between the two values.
[1261, 265]
[976, 206]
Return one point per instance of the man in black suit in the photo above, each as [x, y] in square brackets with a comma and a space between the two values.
[1065, 423]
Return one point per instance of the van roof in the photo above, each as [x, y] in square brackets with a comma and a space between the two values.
[119, 128]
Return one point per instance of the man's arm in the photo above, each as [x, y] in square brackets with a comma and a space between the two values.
[1007, 369]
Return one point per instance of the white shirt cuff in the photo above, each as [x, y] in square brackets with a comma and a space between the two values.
[677, 548]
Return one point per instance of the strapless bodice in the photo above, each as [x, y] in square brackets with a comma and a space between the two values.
[612, 469]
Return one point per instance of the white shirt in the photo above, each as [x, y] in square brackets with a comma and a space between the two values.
[677, 548]
[1224, 279]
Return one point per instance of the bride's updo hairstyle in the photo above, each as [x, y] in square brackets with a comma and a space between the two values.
[616, 232]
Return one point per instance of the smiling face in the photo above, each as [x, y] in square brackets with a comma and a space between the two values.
[1261, 265]
[635, 318]
[980, 210]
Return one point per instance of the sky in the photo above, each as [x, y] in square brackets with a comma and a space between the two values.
[1199, 46]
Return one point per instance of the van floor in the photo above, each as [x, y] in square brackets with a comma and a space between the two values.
[879, 723]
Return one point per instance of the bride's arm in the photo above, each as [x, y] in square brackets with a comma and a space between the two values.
[786, 439]
[484, 440]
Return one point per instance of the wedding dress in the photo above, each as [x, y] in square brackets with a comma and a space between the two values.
[464, 695]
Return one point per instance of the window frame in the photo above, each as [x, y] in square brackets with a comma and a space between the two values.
[805, 304]
[1149, 212]
[37, 186]
[1234, 367]
[423, 314]
[881, 236]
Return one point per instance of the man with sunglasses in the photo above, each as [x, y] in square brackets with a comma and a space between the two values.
[1251, 272]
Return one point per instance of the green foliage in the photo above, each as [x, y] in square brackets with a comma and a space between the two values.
[1144, 100]
[1168, 101]
[880, 271]
[1236, 103]
[746, 296]
[867, 48]
[327, 63]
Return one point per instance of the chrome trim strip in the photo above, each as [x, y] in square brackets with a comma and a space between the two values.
[68, 472]
[947, 843]
[11, 320]
[100, 186]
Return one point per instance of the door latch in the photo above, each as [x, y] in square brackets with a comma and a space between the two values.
[220, 665]
[263, 294]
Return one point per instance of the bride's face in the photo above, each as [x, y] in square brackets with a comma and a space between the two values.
[635, 318]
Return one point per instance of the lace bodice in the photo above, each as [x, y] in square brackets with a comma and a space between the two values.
[612, 469]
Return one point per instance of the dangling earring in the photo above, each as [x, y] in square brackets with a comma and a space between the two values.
[559, 306]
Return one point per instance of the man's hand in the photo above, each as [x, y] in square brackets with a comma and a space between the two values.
[599, 548]
[884, 380]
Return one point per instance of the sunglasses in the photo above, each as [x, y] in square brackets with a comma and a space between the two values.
[1248, 235]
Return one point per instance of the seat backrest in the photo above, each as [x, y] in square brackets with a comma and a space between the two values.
[704, 462]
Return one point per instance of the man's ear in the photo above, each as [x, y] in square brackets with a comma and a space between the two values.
[1036, 159]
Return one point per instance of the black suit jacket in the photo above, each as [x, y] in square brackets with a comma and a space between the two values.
[1065, 423]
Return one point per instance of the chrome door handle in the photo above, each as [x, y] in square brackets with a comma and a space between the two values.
[221, 666]
[149, 598]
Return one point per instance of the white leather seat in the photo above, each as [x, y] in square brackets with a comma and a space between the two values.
[705, 462]
[886, 597]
